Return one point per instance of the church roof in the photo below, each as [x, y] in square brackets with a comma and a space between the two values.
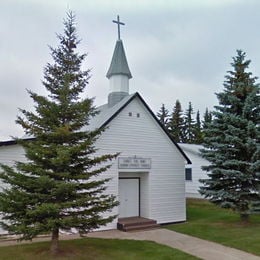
[191, 148]
[119, 65]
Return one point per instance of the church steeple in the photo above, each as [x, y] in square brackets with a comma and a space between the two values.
[119, 65]
[118, 72]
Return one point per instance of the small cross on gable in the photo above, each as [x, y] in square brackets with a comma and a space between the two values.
[118, 25]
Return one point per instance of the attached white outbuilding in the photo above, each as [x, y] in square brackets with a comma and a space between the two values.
[193, 172]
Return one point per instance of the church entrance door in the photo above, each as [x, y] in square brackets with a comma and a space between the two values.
[129, 197]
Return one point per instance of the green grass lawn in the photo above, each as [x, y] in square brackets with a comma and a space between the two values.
[95, 249]
[207, 221]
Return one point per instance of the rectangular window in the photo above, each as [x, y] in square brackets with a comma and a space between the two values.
[188, 174]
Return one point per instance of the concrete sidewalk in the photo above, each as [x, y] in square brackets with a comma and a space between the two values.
[191, 245]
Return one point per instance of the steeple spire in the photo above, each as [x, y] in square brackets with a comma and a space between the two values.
[118, 72]
[119, 65]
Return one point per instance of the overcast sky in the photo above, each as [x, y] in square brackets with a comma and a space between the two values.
[176, 49]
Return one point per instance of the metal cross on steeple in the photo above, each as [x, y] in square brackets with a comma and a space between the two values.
[118, 26]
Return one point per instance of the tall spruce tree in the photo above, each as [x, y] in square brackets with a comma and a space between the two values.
[207, 118]
[198, 136]
[175, 125]
[163, 116]
[58, 187]
[189, 125]
[231, 143]
[252, 111]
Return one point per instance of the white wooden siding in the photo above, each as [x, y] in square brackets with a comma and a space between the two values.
[11, 153]
[8, 155]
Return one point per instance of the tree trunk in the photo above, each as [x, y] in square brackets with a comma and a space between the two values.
[54, 241]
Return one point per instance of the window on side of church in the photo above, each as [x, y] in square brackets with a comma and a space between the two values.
[188, 174]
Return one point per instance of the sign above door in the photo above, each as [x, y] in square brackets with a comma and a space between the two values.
[134, 163]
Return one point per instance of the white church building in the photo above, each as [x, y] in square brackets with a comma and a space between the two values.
[148, 177]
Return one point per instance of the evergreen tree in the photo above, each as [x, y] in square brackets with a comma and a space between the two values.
[207, 118]
[197, 130]
[189, 125]
[163, 116]
[231, 143]
[60, 186]
[252, 111]
[175, 125]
